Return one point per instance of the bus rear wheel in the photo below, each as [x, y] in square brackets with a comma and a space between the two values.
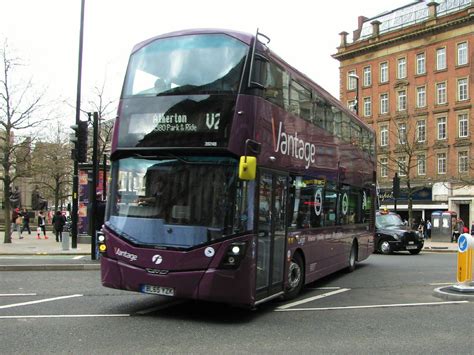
[295, 277]
[352, 258]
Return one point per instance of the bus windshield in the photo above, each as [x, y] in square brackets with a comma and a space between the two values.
[193, 64]
[177, 202]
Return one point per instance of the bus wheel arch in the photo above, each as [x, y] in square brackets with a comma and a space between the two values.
[353, 255]
[296, 275]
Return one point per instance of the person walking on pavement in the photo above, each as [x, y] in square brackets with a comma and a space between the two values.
[26, 221]
[428, 229]
[58, 223]
[41, 225]
[16, 222]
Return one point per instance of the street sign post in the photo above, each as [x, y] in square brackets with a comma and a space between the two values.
[465, 256]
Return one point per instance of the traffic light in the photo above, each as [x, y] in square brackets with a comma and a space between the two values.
[79, 152]
[396, 186]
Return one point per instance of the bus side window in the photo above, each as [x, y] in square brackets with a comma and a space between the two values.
[276, 85]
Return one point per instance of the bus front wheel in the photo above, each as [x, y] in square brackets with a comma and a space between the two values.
[295, 277]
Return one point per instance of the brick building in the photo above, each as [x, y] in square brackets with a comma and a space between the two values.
[410, 70]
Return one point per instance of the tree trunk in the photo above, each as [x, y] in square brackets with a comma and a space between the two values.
[6, 198]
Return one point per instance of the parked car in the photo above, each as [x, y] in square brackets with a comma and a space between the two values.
[391, 234]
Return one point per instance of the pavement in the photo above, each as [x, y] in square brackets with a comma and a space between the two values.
[30, 253]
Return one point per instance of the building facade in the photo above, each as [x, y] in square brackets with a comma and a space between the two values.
[409, 74]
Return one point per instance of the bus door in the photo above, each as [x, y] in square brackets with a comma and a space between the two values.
[273, 189]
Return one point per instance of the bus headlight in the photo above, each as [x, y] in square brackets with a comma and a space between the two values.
[101, 243]
[233, 256]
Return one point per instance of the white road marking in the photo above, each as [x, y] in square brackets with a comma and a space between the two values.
[322, 288]
[327, 294]
[371, 306]
[66, 316]
[16, 294]
[78, 257]
[441, 283]
[38, 301]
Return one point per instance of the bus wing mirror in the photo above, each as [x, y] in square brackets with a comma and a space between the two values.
[252, 146]
[247, 168]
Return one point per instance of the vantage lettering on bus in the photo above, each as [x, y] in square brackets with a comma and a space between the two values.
[125, 254]
[295, 147]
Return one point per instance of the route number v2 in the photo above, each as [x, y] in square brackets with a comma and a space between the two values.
[212, 120]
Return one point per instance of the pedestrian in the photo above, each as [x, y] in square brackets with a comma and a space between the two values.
[428, 229]
[421, 228]
[42, 225]
[58, 223]
[26, 221]
[15, 223]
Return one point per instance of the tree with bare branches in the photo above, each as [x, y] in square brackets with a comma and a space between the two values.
[19, 106]
[407, 157]
[52, 167]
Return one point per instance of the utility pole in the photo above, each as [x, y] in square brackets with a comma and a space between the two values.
[75, 178]
[95, 170]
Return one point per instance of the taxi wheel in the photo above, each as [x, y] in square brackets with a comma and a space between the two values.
[385, 247]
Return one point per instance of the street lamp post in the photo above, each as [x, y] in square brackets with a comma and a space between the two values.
[75, 178]
[356, 106]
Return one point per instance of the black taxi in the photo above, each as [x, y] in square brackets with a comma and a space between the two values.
[391, 234]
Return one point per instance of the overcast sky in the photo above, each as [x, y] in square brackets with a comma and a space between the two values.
[45, 34]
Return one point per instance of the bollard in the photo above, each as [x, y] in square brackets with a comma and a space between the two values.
[65, 242]
[465, 256]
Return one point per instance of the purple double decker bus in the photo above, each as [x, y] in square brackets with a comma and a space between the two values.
[235, 178]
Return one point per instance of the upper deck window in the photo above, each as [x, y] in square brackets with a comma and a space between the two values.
[194, 64]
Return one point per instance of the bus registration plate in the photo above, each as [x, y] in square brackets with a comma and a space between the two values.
[158, 290]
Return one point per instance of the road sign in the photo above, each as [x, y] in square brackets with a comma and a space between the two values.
[464, 272]
[463, 243]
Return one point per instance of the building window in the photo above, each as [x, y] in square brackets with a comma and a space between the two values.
[367, 106]
[402, 100]
[383, 104]
[351, 82]
[421, 96]
[441, 163]
[442, 133]
[441, 97]
[383, 167]
[463, 125]
[384, 72]
[383, 136]
[367, 76]
[420, 64]
[402, 133]
[402, 166]
[441, 58]
[421, 164]
[462, 89]
[421, 131]
[402, 68]
[462, 53]
[463, 162]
